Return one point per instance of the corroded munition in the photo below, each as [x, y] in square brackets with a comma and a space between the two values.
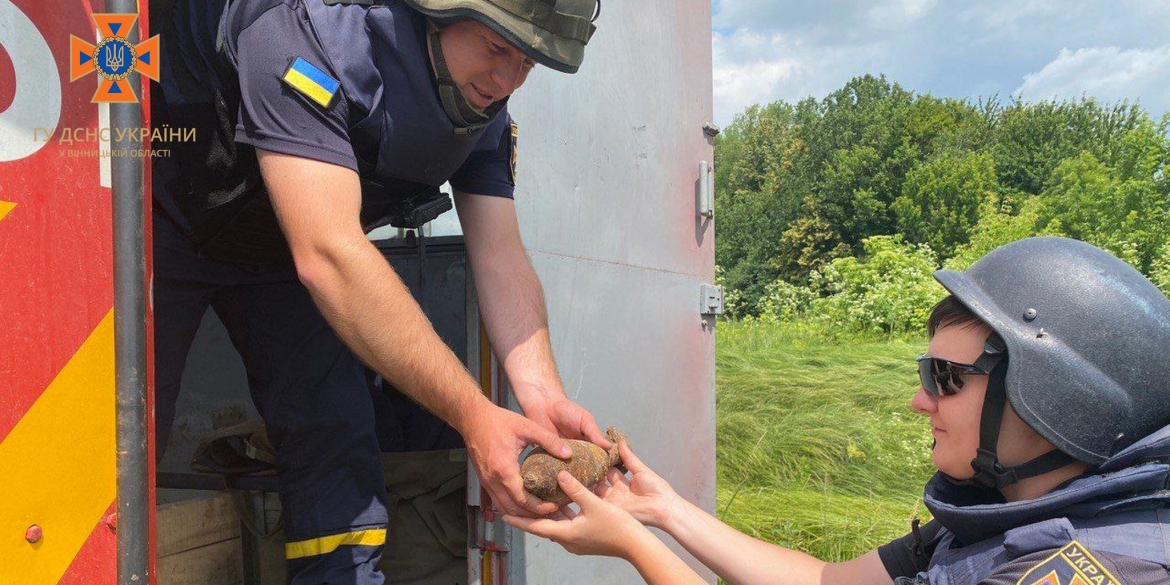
[588, 464]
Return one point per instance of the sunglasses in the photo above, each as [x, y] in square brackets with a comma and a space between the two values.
[941, 377]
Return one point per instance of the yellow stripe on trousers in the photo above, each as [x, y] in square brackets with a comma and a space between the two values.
[57, 465]
[327, 544]
[5, 207]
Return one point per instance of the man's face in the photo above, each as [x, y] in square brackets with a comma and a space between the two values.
[486, 68]
[955, 420]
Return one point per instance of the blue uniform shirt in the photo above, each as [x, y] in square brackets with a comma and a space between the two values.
[226, 62]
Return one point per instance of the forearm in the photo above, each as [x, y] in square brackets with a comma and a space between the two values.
[736, 557]
[375, 314]
[657, 564]
[319, 208]
[512, 304]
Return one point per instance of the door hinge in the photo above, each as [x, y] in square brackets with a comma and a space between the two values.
[711, 300]
[706, 189]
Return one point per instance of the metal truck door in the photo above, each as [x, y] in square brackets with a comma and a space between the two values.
[57, 372]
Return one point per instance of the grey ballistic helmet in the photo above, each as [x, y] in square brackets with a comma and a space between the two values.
[1087, 342]
[552, 32]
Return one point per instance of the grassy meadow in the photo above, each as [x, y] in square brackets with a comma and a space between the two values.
[817, 448]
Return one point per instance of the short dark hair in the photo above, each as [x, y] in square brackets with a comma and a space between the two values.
[950, 311]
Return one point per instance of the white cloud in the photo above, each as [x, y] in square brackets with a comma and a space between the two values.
[1107, 73]
[739, 81]
[898, 13]
[1002, 15]
[767, 50]
[752, 67]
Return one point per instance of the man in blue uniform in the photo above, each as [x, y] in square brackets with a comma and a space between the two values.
[1045, 384]
[318, 120]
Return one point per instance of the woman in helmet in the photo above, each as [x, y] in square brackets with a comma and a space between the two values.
[1044, 382]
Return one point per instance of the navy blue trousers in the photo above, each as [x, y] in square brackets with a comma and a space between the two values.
[312, 391]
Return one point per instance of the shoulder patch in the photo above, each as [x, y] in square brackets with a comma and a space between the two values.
[311, 82]
[1071, 565]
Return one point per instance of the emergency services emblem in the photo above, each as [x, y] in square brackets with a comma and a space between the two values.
[515, 130]
[1071, 565]
[114, 58]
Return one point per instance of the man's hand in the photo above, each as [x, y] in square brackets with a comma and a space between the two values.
[566, 418]
[495, 440]
[645, 495]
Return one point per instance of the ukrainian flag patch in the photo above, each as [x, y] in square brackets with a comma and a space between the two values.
[311, 82]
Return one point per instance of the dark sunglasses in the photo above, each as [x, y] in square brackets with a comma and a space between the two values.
[941, 377]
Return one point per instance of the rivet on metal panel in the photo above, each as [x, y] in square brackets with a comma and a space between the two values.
[111, 521]
[34, 534]
[1030, 315]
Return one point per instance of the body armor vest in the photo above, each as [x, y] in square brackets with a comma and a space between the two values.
[1123, 509]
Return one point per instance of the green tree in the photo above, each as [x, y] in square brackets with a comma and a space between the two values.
[1032, 139]
[889, 290]
[801, 186]
[757, 196]
[942, 197]
[997, 226]
[1122, 206]
[1160, 271]
[807, 244]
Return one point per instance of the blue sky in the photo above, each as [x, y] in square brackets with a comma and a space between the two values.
[765, 50]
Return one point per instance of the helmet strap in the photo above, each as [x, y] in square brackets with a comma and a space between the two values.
[463, 115]
[989, 472]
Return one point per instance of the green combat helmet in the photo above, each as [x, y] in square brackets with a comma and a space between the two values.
[551, 32]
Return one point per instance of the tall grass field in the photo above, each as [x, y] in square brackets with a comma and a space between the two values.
[817, 447]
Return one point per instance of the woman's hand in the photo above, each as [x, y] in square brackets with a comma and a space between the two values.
[600, 528]
[645, 495]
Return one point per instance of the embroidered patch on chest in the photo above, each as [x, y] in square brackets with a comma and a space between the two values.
[311, 82]
[1071, 565]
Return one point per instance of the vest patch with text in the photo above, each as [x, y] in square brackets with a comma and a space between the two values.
[1071, 565]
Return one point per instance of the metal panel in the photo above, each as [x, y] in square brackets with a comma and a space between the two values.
[609, 157]
[609, 203]
[639, 356]
[56, 296]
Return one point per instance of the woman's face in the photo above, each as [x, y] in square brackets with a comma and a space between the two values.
[954, 420]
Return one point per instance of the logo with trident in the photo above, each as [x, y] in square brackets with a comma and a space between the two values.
[114, 58]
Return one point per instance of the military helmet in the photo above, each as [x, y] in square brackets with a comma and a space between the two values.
[1087, 338]
[552, 32]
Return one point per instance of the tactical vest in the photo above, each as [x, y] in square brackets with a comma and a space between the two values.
[1123, 513]
[402, 159]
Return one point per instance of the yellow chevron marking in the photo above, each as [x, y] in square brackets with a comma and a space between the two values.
[5, 207]
[57, 465]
